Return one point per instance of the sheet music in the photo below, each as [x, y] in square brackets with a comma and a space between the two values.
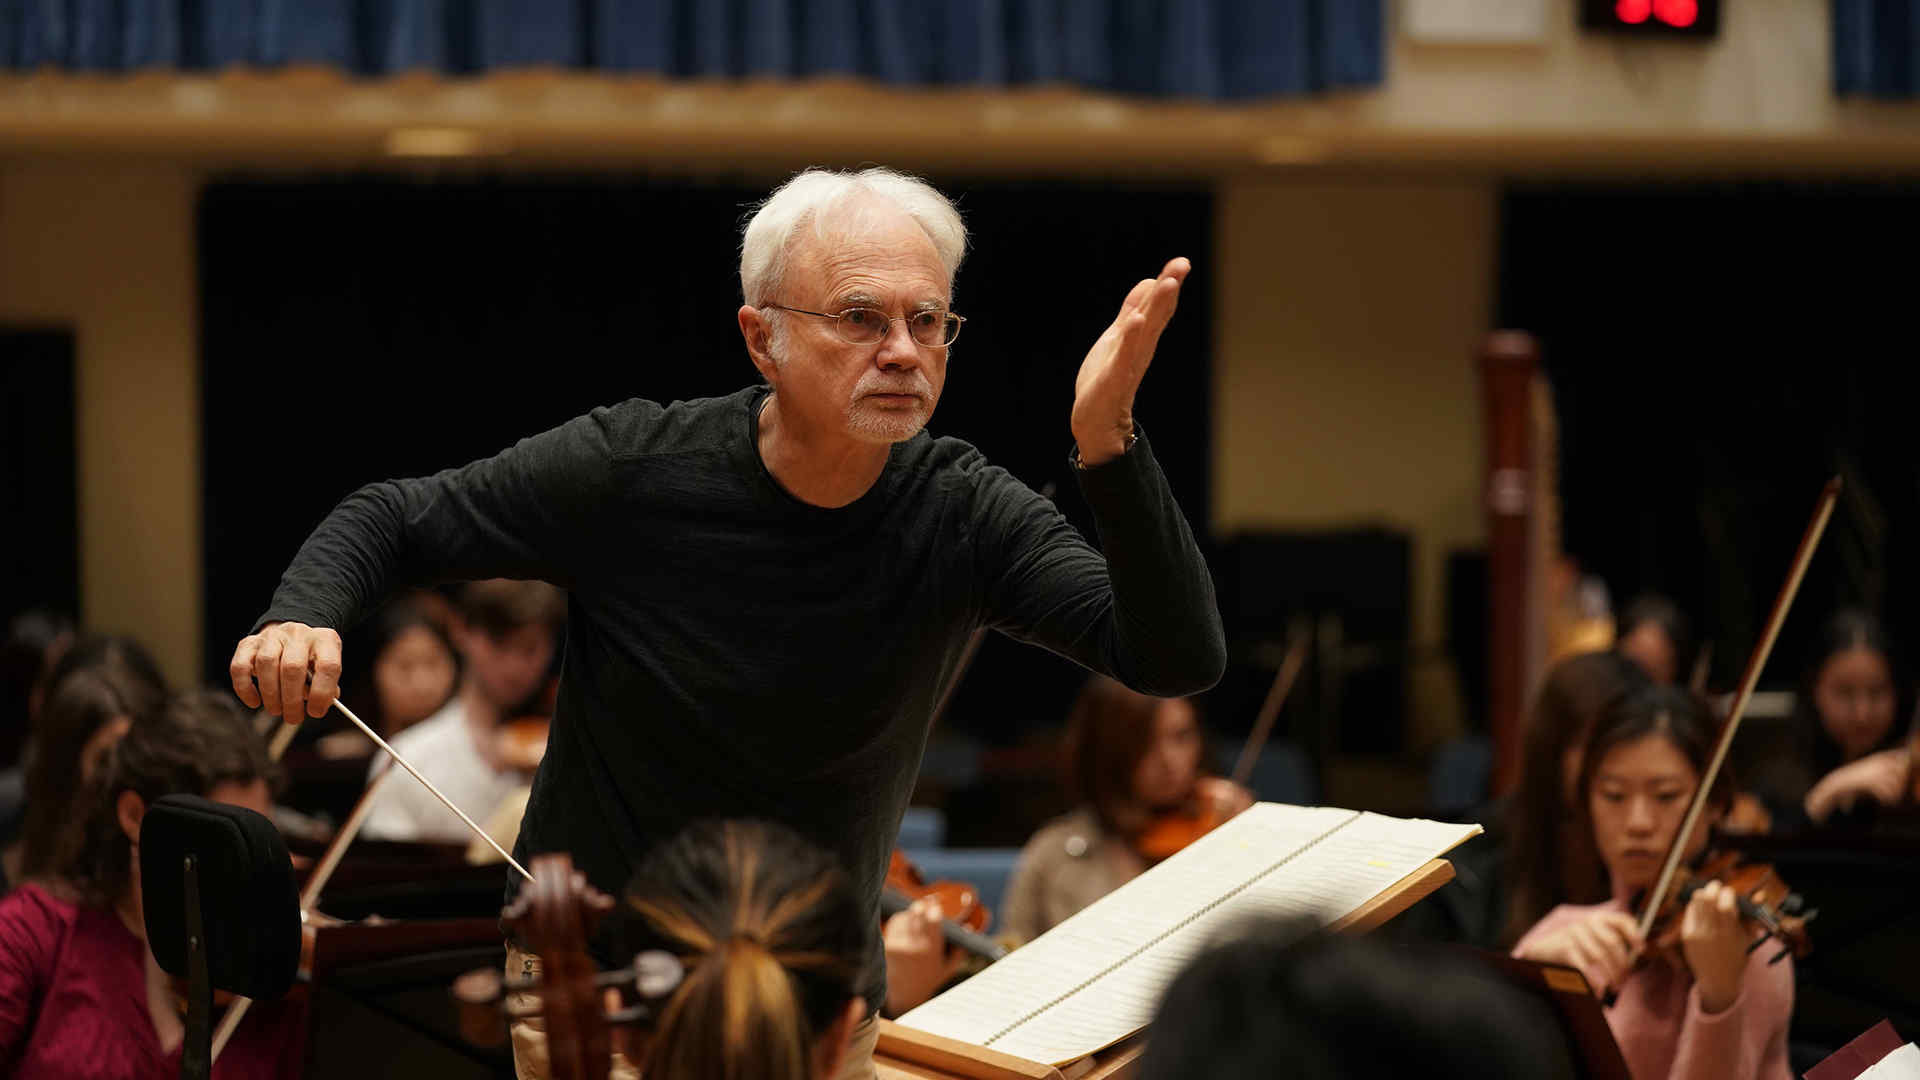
[1097, 977]
[1902, 1064]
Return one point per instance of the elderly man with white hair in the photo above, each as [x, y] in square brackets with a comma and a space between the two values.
[769, 590]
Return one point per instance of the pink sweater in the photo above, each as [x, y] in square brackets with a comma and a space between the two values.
[1662, 1031]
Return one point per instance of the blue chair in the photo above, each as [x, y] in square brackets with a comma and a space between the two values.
[986, 869]
[922, 828]
[1281, 773]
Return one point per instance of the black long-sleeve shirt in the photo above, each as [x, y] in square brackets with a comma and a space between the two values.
[735, 652]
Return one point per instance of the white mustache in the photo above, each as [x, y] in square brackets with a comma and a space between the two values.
[919, 387]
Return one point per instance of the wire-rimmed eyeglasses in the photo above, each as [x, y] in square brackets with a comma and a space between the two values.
[866, 326]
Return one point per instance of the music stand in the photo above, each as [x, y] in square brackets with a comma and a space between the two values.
[221, 909]
[1564, 991]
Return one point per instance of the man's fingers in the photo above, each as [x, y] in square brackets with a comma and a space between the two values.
[326, 673]
[293, 678]
[266, 670]
[240, 670]
[1136, 296]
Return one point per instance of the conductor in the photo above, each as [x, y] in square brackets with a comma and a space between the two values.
[769, 590]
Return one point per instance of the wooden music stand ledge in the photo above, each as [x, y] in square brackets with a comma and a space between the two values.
[904, 1053]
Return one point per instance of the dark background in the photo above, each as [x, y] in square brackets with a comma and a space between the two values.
[361, 329]
[40, 553]
[1717, 352]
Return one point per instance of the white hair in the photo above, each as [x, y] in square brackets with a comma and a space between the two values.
[768, 239]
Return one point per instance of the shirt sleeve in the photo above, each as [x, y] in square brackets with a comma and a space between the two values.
[29, 938]
[524, 513]
[1748, 1039]
[1143, 613]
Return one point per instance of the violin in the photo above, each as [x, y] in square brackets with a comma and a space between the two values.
[1767, 906]
[1764, 900]
[521, 742]
[963, 917]
[1215, 800]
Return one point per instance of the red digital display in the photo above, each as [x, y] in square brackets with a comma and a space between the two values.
[1693, 18]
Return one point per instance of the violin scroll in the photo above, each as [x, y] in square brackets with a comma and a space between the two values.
[553, 917]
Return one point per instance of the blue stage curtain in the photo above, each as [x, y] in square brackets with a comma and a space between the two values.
[1210, 49]
[1876, 48]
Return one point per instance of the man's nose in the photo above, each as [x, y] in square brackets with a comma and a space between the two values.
[898, 349]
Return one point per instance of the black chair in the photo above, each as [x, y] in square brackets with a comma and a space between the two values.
[221, 907]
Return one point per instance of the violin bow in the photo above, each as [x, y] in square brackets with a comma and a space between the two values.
[1809, 541]
[1296, 658]
[337, 849]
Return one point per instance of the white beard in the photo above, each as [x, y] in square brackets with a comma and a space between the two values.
[869, 423]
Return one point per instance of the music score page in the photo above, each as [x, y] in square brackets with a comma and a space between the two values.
[1097, 977]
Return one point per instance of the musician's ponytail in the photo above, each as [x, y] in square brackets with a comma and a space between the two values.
[771, 935]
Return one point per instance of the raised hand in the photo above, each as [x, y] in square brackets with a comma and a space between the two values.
[1110, 376]
[288, 669]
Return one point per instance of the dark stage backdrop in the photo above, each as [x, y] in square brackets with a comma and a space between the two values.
[1716, 354]
[361, 329]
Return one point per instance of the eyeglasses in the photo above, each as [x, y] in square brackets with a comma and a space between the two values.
[866, 326]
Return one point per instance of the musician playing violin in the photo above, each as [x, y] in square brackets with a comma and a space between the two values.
[505, 634]
[80, 993]
[1129, 759]
[768, 591]
[1714, 1009]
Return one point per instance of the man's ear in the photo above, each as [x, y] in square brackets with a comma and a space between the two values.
[831, 1050]
[758, 334]
[131, 809]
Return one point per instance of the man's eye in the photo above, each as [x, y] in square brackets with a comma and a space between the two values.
[925, 318]
[860, 316]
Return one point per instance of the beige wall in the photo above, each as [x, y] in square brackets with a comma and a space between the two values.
[1768, 71]
[108, 251]
[1345, 387]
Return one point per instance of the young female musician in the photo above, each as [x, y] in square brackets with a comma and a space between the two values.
[1550, 858]
[1713, 1010]
[80, 993]
[96, 690]
[1848, 748]
[413, 673]
[771, 936]
[1129, 758]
